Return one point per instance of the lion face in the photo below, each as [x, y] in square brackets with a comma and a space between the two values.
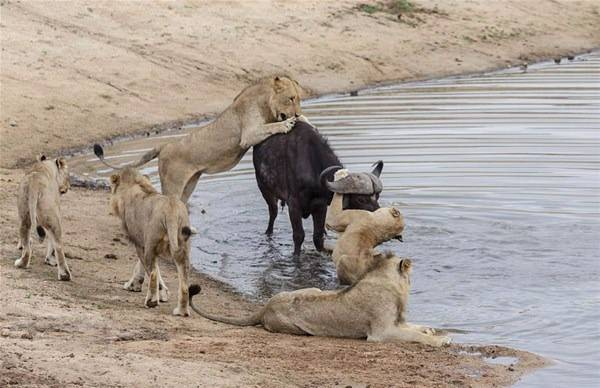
[285, 99]
[62, 175]
[390, 223]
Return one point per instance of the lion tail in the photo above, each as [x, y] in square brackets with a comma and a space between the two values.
[148, 156]
[174, 232]
[253, 320]
[33, 201]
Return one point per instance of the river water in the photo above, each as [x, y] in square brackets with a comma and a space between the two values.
[498, 179]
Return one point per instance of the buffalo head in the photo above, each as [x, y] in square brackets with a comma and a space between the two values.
[361, 190]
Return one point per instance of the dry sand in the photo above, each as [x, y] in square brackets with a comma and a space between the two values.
[73, 73]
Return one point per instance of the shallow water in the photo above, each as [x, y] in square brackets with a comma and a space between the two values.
[498, 179]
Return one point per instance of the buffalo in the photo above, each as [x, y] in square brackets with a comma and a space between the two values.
[288, 168]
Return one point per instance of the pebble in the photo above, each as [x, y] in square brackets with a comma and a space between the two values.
[12, 123]
[111, 256]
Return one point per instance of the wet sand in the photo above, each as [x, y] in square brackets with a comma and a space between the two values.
[75, 74]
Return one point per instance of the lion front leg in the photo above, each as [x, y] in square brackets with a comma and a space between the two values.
[253, 136]
[406, 333]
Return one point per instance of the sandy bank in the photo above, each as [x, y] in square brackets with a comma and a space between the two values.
[73, 73]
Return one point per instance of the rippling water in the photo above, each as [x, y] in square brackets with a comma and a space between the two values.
[498, 178]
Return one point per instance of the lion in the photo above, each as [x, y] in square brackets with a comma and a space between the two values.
[268, 107]
[361, 231]
[38, 205]
[158, 226]
[373, 308]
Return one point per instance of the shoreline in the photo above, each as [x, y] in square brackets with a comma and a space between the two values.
[178, 125]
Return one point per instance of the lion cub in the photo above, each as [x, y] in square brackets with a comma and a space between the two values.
[38, 205]
[158, 226]
[374, 308]
[361, 231]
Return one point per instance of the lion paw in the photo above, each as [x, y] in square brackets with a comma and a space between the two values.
[181, 312]
[50, 260]
[133, 285]
[445, 340]
[289, 123]
[163, 294]
[64, 274]
[20, 263]
[303, 118]
[150, 303]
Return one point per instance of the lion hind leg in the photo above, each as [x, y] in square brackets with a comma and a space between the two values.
[25, 242]
[163, 290]
[151, 264]
[182, 263]
[54, 234]
[50, 255]
[137, 278]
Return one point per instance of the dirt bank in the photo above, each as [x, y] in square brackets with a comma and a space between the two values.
[77, 72]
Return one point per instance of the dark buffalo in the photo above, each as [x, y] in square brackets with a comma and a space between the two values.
[288, 168]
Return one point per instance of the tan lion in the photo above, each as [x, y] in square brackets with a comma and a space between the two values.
[38, 205]
[270, 106]
[374, 308]
[360, 232]
[158, 226]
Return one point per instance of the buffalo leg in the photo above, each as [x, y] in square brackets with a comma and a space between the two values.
[298, 230]
[271, 201]
[318, 216]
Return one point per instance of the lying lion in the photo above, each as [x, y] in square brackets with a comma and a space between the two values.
[38, 206]
[158, 226]
[361, 231]
[373, 308]
[271, 106]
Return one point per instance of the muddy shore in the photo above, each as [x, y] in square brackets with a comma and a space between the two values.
[73, 74]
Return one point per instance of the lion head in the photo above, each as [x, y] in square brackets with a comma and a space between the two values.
[127, 179]
[284, 101]
[389, 225]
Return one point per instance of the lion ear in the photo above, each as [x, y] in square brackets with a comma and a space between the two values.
[405, 265]
[395, 212]
[114, 179]
[61, 163]
[42, 157]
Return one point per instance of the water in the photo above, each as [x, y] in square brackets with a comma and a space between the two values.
[498, 179]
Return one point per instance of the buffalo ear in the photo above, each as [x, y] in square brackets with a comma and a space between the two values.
[61, 163]
[405, 265]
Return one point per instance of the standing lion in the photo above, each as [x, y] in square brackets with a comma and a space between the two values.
[266, 108]
[158, 226]
[38, 206]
